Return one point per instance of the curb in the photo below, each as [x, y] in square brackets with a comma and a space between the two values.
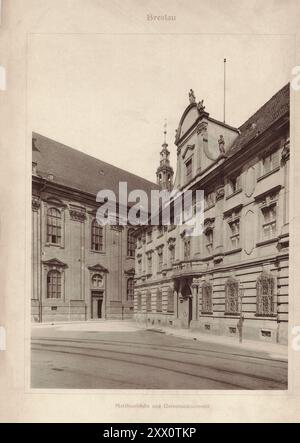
[273, 355]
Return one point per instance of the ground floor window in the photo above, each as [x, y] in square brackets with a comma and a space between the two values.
[207, 305]
[54, 284]
[139, 301]
[158, 301]
[231, 296]
[130, 289]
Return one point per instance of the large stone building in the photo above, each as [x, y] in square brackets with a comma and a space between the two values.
[233, 277]
[80, 270]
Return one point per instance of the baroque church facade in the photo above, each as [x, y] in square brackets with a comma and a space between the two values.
[233, 278]
[80, 269]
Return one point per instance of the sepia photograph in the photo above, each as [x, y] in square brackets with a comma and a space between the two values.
[149, 215]
[123, 297]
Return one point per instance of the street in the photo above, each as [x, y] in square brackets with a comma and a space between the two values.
[120, 357]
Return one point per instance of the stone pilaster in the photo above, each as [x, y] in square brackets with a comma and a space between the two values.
[219, 224]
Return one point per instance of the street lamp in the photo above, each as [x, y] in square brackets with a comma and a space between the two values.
[241, 319]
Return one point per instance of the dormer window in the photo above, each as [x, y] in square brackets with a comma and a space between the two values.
[270, 162]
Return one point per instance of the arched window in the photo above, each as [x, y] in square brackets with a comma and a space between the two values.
[265, 286]
[207, 298]
[148, 302]
[130, 289]
[158, 301]
[231, 296]
[130, 243]
[170, 300]
[97, 236]
[139, 301]
[97, 281]
[54, 226]
[54, 284]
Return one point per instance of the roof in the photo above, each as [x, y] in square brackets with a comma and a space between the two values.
[272, 110]
[74, 169]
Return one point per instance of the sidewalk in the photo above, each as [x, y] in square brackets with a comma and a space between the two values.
[90, 326]
[273, 350]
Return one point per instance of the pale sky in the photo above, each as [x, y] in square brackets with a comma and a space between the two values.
[108, 95]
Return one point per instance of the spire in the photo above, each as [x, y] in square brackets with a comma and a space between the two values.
[165, 171]
[165, 132]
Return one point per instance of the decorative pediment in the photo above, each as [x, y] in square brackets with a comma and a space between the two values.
[77, 213]
[55, 202]
[268, 197]
[130, 272]
[191, 115]
[54, 263]
[97, 268]
[233, 211]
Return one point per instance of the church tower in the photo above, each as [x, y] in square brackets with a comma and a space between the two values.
[164, 173]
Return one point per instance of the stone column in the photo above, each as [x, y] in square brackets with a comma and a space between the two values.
[175, 304]
[195, 304]
[218, 248]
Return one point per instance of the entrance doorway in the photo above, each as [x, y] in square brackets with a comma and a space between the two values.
[97, 304]
[186, 308]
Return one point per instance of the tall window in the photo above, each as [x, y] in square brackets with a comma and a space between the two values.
[170, 300]
[160, 259]
[149, 262]
[148, 302]
[187, 248]
[54, 226]
[158, 301]
[270, 162]
[265, 286]
[189, 168]
[97, 236]
[234, 227]
[269, 221]
[231, 296]
[130, 243]
[130, 289]
[206, 298]
[54, 284]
